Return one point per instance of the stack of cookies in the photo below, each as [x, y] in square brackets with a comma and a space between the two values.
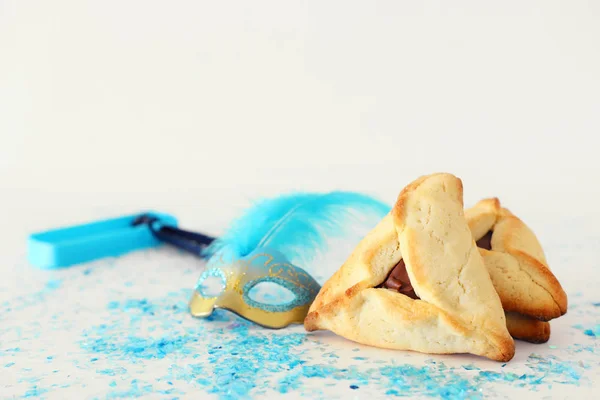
[434, 278]
[530, 294]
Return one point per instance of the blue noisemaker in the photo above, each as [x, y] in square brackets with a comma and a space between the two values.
[265, 245]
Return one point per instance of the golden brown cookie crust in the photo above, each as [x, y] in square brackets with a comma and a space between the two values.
[516, 263]
[528, 329]
[458, 312]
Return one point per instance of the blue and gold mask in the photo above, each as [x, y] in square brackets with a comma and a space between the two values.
[239, 278]
[270, 242]
[265, 245]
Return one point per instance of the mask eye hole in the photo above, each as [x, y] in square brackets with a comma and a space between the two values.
[211, 283]
[286, 297]
[271, 293]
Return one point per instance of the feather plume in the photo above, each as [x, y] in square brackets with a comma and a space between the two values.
[301, 226]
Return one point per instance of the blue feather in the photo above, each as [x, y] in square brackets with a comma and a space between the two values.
[298, 225]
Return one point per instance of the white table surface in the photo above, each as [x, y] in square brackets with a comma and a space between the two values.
[119, 328]
[194, 108]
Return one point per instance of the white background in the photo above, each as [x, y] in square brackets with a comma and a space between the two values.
[198, 106]
[195, 107]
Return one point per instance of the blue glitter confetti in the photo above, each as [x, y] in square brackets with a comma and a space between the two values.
[592, 331]
[137, 389]
[229, 373]
[137, 347]
[230, 358]
[112, 372]
[35, 391]
[24, 302]
[580, 348]
[53, 284]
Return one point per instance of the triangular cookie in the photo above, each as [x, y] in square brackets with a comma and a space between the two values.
[516, 262]
[457, 309]
[527, 328]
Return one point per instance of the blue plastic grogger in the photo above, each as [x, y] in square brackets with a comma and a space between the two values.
[78, 244]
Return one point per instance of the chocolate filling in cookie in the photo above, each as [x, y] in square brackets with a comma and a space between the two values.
[399, 281]
[486, 241]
